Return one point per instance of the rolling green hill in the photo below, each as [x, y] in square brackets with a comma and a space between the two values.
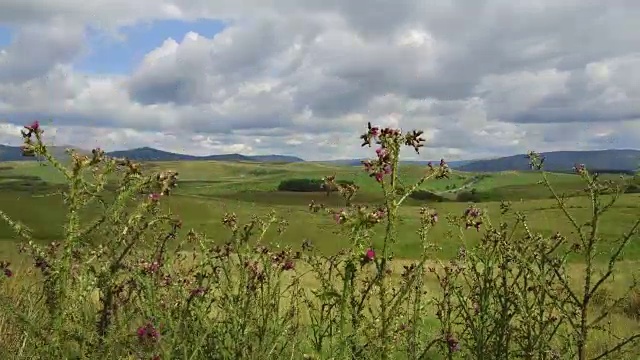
[557, 161]
[562, 161]
[13, 153]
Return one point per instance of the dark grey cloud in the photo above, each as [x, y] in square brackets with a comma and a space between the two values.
[481, 76]
[37, 48]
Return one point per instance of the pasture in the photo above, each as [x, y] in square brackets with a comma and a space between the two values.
[29, 192]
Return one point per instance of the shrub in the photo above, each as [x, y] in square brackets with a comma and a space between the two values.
[632, 189]
[425, 195]
[468, 196]
[307, 185]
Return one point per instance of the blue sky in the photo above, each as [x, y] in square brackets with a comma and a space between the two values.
[304, 78]
[116, 56]
[5, 36]
[110, 55]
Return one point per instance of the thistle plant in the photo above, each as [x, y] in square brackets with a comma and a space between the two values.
[127, 279]
[357, 302]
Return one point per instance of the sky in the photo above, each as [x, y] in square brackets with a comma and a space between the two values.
[481, 78]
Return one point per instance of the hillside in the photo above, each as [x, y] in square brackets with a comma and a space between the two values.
[558, 161]
[617, 160]
[13, 153]
[358, 162]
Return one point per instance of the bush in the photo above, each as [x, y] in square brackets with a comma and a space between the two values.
[468, 196]
[424, 195]
[307, 185]
[632, 189]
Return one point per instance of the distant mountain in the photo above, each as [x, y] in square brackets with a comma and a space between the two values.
[358, 162]
[622, 160]
[10, 153]
[276, 158]
[13, 153]
[151, 154]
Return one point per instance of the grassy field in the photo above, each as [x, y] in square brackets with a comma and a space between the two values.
[28, 192]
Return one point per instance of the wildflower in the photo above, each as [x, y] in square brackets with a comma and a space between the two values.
[154, 197]
[288, 265]
[33, 127]
[378, 215]
[230, 220]
[5, 269]
[428, 216]
[149, 268]
[261, 249]
[368, 165]
[452, 343]
[340, 216]
[415, 140]
[379, 176]
[148, 333]
[472, 212]
[199, 291]
[370, 254]
[42, 264]
[408, 271]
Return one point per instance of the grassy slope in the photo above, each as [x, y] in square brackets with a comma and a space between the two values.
[208, 189]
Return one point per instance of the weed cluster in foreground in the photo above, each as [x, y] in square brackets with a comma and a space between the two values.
[131, 283]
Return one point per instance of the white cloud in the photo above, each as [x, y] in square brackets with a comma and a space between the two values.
[481, 78]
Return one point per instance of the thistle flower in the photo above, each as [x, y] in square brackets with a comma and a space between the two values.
[452, 343]
[4, 266]
[148, 333]
[33, 127]
[288, 265]
[368, 256]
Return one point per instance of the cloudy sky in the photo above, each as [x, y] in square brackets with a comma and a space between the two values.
[303, 77]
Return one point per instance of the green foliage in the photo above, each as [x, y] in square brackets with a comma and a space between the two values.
[307, 185]
[425, 195]
[468, 196]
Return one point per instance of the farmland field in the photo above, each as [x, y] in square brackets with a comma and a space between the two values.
[31, 193]
[206, 190]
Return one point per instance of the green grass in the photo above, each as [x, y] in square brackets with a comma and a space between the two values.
[31, 168]
[30, 194]
[209, 189]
